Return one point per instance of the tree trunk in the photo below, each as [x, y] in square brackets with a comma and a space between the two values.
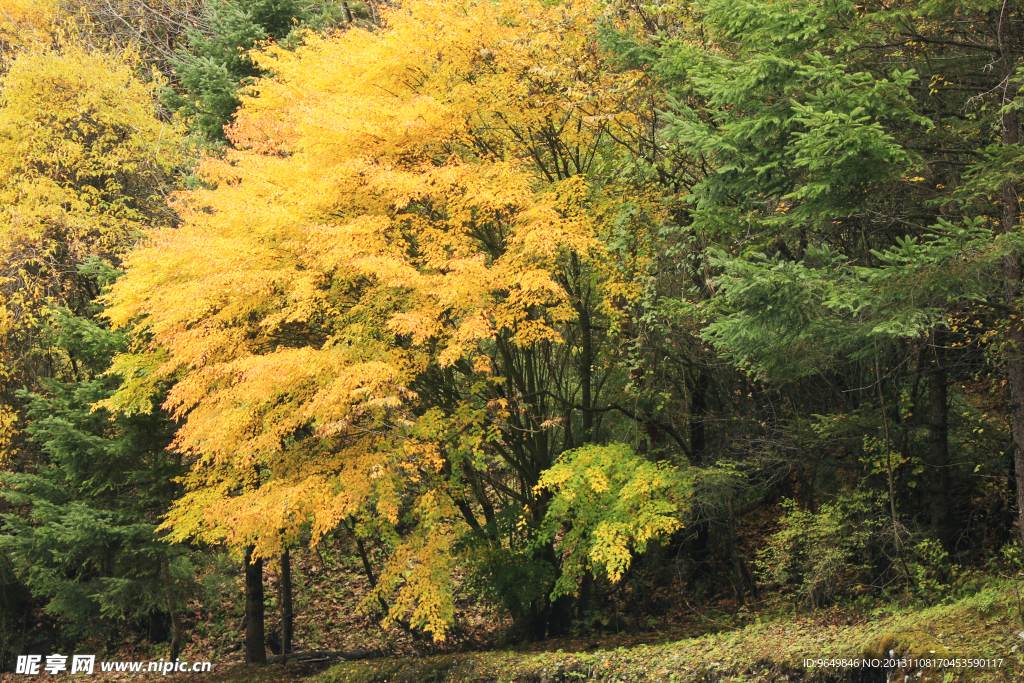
[544, 618]
[287, 617]
[586, 589]
[586, 363]
[1012, 262]
[698, 414]
[172, 607]
[743, 578]
[938, 445]
[255, 642]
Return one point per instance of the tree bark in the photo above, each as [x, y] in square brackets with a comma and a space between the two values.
[172, 607]
[698, 414]
[287, 616]
[586, 363]
[938, 445]
[255, 641]
[586, 589]
[1012, 262]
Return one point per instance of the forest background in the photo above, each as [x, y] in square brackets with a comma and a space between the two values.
[550, 316]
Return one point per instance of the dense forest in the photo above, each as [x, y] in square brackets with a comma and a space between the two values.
[545, 318]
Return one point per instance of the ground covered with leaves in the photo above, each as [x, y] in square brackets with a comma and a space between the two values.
[984, 626]
[767, 645]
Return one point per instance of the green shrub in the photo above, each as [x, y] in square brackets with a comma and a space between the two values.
[820, 551]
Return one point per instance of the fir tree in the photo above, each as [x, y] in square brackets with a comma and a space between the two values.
[215, 66]
[82, 535]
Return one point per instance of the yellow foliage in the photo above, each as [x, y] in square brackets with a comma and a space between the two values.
[23, 22]
[613, 503]
[419, 573]
[146, 29]
[82, 156]
[84, 164]
[8, 415]
[391, 208]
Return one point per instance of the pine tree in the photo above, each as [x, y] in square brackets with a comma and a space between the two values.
[82, 534]
[856, 167]
[215, 66]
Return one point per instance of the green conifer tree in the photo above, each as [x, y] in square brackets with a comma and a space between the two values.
[215, 66]
[855, 200]
[81, 536]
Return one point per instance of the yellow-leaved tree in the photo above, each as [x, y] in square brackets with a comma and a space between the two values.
[390, 307]
[85, 165]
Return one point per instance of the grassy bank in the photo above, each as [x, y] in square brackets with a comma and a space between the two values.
[986, 625]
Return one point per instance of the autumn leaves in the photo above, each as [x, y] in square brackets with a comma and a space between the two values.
[400, 239]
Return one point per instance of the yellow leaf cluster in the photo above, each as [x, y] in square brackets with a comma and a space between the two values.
[8, 415]
[83, 159]
[614, 503]
[420, 572]
[84, 166]
[23, 22]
